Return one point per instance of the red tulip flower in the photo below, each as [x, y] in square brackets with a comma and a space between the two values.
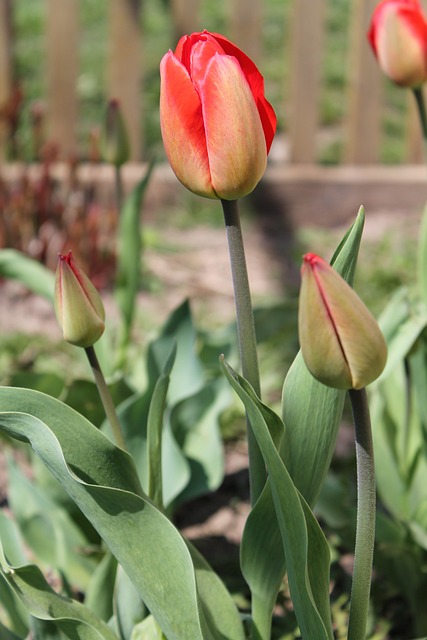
[217, 125]
[398, 36]
[341, 342]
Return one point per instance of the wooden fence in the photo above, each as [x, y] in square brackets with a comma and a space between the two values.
[362, 97]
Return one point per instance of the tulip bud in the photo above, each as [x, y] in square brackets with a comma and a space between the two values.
[398, 36]
[217, 125]
[114, 138]
[78, 305]
[341, 342]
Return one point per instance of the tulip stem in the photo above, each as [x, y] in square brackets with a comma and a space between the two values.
[419, 97]
[106, 399]
[365, 527]
[119, 188]
[246, 335]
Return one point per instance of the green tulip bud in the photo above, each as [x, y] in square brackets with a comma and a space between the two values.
[341, 342]
[114, 139]
[78, 305]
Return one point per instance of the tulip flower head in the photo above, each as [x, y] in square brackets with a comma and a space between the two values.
[78, 305]
[217, 125]
[398, 36]
[341, 342]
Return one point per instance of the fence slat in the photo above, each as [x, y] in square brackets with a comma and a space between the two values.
[364, 93]
[307, 30]
[246, 27]
[185, 17]
[62, 51]
[5, 65]
[125, 66]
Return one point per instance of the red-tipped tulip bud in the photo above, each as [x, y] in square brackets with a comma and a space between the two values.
[217, 125]
[398, 36]
[78, 305]
[341, 342]
[114, 138]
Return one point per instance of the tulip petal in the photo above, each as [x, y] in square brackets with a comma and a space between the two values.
[361, 344]
[78, 307]
[234, 134]
[256, 83]
[182, 127]
[316, 328]
[398, 36]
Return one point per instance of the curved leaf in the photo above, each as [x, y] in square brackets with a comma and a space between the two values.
[101, 479]
[17, 266]
[305, 547]
[310, 410]
[72, 618]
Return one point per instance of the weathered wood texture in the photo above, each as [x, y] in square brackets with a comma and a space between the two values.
[363, 99]
[307, 27]
[61, 72]
[125, 66]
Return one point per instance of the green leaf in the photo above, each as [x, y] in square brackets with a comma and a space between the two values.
[13, 545]
[48, 530]
[155, 430]
[130, 609]
[100, 590]
[195, 425]
[7, 634]
[305, 547]
[311, 411]
[129, 251]
[71, 617]
[148, 629]
[17, 266]
[218, 606]
[103, 482]
[422, 257]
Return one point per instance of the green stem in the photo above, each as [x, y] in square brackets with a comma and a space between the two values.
[106, 399]
[261, 619]
[365, 528]
[119, 188]
[421, 107]
[246, 335]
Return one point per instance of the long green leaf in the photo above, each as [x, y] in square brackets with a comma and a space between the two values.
[129, 251]
[48, 530]
[72, 618]
[311, 411]
[17, 266]
[305, 547]
[102, 480]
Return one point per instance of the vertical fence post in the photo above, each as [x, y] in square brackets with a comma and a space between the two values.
[364, 94]
[306, 65]
[5, 66]
[246, 27]
[125, 66]
[62, 56]
[185, 17]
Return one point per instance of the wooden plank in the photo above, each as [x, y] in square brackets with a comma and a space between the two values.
[185, 17]
[363, 124]
[246, 27]
[62, 50]
[125, 66]
[307, 26]
[5, 66]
